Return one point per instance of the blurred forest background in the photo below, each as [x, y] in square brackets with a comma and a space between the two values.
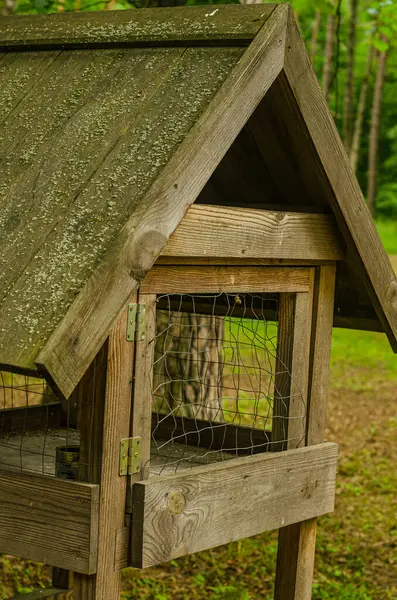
[353, 47]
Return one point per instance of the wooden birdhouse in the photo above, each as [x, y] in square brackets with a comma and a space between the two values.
[180, 231]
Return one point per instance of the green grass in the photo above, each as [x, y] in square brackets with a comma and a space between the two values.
[388, 232]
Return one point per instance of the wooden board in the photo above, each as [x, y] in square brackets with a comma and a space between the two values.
[233, 24]
[207, 507]
[49, 520]
[30, 418]
[201, 280]
[72, 347]
[215, 231]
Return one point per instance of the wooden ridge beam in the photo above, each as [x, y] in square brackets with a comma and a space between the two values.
[228, 232]
[168, 26]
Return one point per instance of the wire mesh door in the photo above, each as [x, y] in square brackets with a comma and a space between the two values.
[222, 386]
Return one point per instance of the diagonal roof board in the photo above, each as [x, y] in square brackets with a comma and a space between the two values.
[106, 149]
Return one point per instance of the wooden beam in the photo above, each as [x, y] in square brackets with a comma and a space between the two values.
[190, 280]
[205, 507]
[49, 520]
[72, 346]
[228, 232]
[113, 487]
[170, 26]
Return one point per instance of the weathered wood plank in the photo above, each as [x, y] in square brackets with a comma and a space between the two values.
[207, 507]
[49, 520]
[48, 593]
[189, 280]
[212, 231]
[113, 487]
[71, 348]
[236, 24]
[84, 107]
[346, 198]
[19, 75]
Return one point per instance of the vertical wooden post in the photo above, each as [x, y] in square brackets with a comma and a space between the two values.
[296, 547]
[104, 399]
[142, 397]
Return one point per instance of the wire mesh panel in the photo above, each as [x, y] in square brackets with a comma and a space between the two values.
[215, 380]
[38, 432]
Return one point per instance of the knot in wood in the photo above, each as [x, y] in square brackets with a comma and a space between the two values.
[176, 503]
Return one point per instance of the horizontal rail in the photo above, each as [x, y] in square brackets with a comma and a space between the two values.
[201, 280]
[241, 233]
[49, 520]
[208, 506]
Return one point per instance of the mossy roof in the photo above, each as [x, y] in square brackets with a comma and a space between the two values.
[103, 116]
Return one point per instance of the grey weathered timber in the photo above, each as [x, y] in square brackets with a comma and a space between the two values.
[214, 231]
[190, 280]
[71, 348]
[218, 24]
[98, 179]
[49, 520]
[205, 507]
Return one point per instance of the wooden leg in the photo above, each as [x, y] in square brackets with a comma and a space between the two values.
[104, 401]
[295, 561]
[297, 543]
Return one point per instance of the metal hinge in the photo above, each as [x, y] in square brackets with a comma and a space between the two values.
[136, 324]
[130, 456]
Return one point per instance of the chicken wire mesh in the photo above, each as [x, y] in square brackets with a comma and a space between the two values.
[219, 383]
[38, 432]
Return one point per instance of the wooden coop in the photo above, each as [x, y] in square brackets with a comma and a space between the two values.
[180, 231]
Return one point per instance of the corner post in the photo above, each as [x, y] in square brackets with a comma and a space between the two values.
[297, 543]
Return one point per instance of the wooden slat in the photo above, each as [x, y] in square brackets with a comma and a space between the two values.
[71, 348]
[346, 199]
[49, 520]
[213, 231]
[323, 311]
[169, 26]
[200, 280]
[48, 593]
[206, 507]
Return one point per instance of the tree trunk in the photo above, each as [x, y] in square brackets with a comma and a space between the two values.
[329, 53]
[188, 365]
[315, 32]
[349, 85]
[362, 102]
[8, 8]
[374, 130]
